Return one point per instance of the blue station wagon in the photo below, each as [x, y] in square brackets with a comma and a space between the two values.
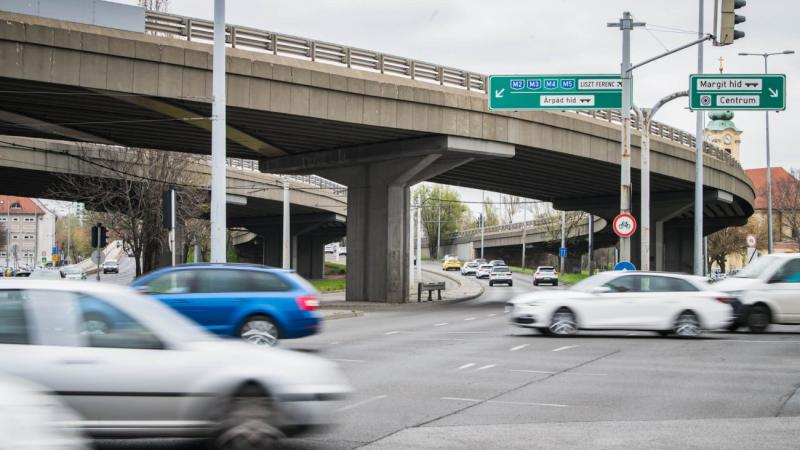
[256, 303]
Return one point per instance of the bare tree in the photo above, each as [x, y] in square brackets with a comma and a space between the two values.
[725, 242]
[125, 196]
[511, 206]
[551, 221]
[786, 201]
[155, 5]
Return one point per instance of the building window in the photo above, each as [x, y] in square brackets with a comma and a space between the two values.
[14, 237]
[29, 219]
[16, 205]
[15, 219]
[28, 236]
[728, 150]
[3, 219]
[2, 254]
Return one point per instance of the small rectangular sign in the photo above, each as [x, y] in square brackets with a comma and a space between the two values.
[734, 92]
[559, 92]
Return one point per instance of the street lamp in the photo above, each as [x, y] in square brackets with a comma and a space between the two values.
[769, 165]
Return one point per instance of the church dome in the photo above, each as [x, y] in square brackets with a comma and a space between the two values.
[721, 120]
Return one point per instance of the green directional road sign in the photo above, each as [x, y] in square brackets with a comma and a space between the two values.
[518, 92]
[753, 92]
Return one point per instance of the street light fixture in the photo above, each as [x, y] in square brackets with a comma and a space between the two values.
[769, 164]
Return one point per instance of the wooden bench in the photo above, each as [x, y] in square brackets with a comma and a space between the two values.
[430, 287]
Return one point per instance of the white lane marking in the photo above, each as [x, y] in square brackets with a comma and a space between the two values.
[469, 332]
[566, 347]
[632, 334]
[362, 402]
[466, 366]
[441, 324]
[492, 315]
[531, 371]
[443, 339]
[789, 341]
[557, 405]
[588, 374]
[334, 342]
[488, 366]
[499, 402]
[470, 318]
[519, 347]
[389, 333]
[348, 360]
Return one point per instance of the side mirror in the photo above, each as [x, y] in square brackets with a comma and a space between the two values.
[143, 289]
[600, 290]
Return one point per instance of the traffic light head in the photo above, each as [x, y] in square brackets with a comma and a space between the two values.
[728, 19]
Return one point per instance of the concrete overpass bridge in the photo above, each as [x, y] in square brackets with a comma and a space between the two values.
[28, 167]
[300, 106]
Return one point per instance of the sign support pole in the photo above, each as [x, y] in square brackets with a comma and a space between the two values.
[563, 239]
[218, 212]
[698, 166]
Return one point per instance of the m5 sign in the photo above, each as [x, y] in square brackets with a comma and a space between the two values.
[737, 92]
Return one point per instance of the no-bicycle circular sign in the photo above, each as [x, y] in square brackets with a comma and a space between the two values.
[624, 225]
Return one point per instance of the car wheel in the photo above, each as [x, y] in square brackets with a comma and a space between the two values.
[491, 284]
[758, 319]
[535, 283]
[555, 283]
[687, 325]
[249, 422]
[260, 330]
[563, 323]
[511, 284]
[733, 327]
[665, 333]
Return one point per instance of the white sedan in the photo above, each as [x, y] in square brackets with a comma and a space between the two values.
[666, 303]
[483, 271]
[154, 373]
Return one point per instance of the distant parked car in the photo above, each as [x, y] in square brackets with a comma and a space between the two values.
[342, 251]
[545, 274]
[497, 262]
[666, 303]
[480, 261]
[330, 248]
[483, 271]
[469, 268]
[256, 303]
[500, 275]
[110, 266]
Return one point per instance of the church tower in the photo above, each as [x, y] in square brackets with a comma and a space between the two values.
[722, 132]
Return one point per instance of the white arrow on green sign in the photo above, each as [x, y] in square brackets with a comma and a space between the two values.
[729, 92]
[535, 92]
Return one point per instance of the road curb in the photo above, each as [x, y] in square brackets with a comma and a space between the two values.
[342, 314]
[458, 281]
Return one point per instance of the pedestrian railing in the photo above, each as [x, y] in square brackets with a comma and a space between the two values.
[248, 38]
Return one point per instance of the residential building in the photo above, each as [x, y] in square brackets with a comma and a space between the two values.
[30, 230]
[785, 207]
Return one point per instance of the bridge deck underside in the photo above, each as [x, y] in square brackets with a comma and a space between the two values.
[533, 173]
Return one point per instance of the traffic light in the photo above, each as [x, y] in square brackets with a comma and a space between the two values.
[168, 209]
[728, 21]
[99, 236]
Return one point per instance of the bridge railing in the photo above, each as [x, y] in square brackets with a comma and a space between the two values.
[251, 165]
[283, 44]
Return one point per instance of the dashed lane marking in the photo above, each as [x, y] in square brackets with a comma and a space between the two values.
[389, 333]
[348, 360]
[470, 318]
[491, 315]
[566, 347]
[500, 402]
[488, 366]
[519, 347]
[441, 324]
[466, 366]
[362, 402]
[532, 371]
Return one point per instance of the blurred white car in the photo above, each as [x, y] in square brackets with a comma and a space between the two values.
[769, 292]
[667, 303]
[469, 268]
[500, 275]
[148, 371]
[73, 273]
[31, 418]
[483, 271]
[545, 274]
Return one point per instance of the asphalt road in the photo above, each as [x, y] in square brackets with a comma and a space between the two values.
[127, 271]
[457, 375]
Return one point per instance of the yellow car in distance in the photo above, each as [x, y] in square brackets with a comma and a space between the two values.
[451, 263]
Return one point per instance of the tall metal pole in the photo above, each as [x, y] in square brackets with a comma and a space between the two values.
[483, 218]
[286, 225]
[591, 244]
[626, 24]
[8, 230]
[769, 178]
[563, 238]
[698, 165]
[69, 234]
[173, 221]
[439, 228]
[419, 242]
[645, 194]
[524, 229]
[218, 125]
[412, 243]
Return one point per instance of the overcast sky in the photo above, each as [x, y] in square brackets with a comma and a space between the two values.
[553, 37]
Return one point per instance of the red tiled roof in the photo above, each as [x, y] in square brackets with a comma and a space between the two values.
[26, 205]
[780, 179]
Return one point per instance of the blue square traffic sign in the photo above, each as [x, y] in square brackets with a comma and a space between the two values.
[550, 84]
[562, 252]
[534, 84]
[567, 84]
[517, 84]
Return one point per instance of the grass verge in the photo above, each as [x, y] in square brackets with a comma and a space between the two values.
[335, 268]
[329, 285]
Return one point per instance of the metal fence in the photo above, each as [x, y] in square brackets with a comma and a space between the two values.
[283, 44]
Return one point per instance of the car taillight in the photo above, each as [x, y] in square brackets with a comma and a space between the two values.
[537, 272]
[726, 300]
[308, 302]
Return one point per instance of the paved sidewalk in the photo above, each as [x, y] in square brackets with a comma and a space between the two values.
[457, 288]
